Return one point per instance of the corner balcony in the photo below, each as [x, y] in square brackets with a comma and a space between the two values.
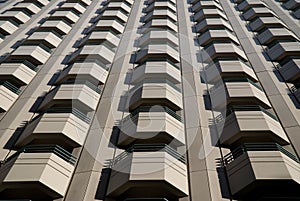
[21, 73]
[245, 124]
[219, 50]
[102, 52]
[215, 35]
[232, 91]
[90, 70]
[113, 14]
[290, 70]
[79, 93]
[157, 70]
[8, 95]
[66, 127]
[60, 26]
[38, 168]
[209, 13]
[205, 4]
[18, 16]
[159, 5]
[69, 16]
[283, 49]
[152, 125]
[100, 37]
[161, 24]
[148, 170]
[272, 34]
[156, 36]
[244, 5]
[29, 7]
[209, 23]
[75, 6]
[36, 54]
[228, 68]
[161, 92]
[8, 27]
[266, 22]
[50, 39]
[265, 169]
[160, 14]
[257, 12]
[158, 51]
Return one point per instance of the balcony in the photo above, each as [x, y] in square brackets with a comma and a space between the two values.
[266, 22]
[151, 92]
[67, 128]
[60, 26]
[219, 50]
[36, 54]
[159, 36]
[70, 16]
[98, 37]
[244, 5]
[75, 6]
[161, 4]
[90, 70]
[157, 51]
[162, 24]
[283, 49]
[265, 169]
[290, 70]
[291, 4]
[50, 39]
[113, 14]
[8, 95]
[85, 2]
[8, 27]
[209, 13]
[209, 23]
[148, 170]
[216, 35]
[29, 7]
[40, 2]
[152, 125]
[158, 14]
[171, 1]
[157, 70]
[228, 68]
[118, 5]
[113, 25]
[78, 93]
[258, 12]
[16, 72]
[18, 16]
[46, 169]
[232, 91]
[245, 124]
[205, 4]
[272, 34]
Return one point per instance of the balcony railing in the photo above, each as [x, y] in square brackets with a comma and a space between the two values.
[159, 60]
[156, 82]
[44, 47]
[134, 114]
[256, 147]
[11, 87]
[147, 148]
[96, 61]
[74, 111]
[47, 148]
[26, 63]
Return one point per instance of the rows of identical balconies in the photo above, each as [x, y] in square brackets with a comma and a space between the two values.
[44, 162]
[293, 6]
[21, 65]
[153, 129]
[247, 124]
[11, 19]
[282, 45]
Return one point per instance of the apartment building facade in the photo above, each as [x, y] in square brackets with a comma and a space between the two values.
[149, 100]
